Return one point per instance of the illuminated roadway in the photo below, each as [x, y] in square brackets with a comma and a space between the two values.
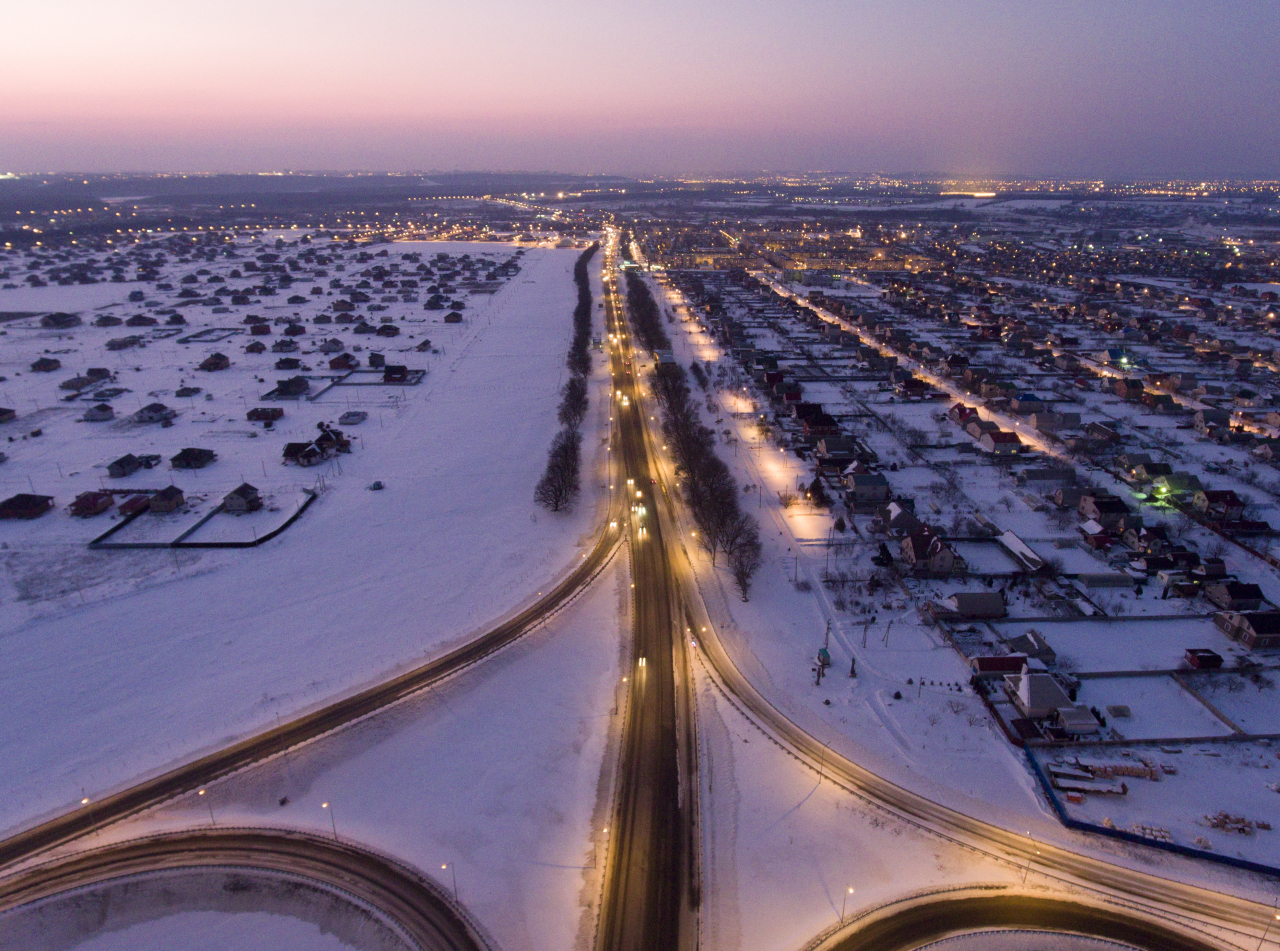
[418, 906]
[650, 886]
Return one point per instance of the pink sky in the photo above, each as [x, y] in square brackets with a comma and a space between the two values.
[1136, 88]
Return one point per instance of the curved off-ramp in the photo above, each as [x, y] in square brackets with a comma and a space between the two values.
[419, 910]
[911, 924]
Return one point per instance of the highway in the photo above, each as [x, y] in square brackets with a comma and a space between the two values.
[650, 892]
[416, 904]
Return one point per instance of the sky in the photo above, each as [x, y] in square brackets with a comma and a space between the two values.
[1079, 89]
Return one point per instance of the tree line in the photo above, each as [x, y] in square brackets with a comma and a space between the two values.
[561, 482]
[708, 485]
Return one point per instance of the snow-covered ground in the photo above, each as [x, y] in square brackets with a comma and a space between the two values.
[1240, 779]
[788, 853]
[218, 931]
[115, 664]
[501, 776]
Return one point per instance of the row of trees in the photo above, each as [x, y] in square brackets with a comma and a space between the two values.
[561, 482]
[708, 485]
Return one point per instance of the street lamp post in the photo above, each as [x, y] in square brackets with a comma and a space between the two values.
[844, 904]
[332, 821]
[453, 869]
[1266, 931]
[1026, 871]
[212, 820]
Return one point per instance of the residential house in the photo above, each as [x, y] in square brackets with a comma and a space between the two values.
[265, 414]
[243, 498]
[977, 428]
[1256, 630]
[1102, 431]
[344, 361]
[926, 553]
[99, 414]
[867, 491]
[1150, 471]
[168, 499]
[1000, 443]
[89, 504]
[1106, 510]
[897, 519]
[154, 413]
[125, 465]
[1177, 483]
[1036, 695]
[1219, 505]
[25, 505]
[293, 387]
[1234, 596]
[1206, 419]
[215, 361]
[191, 458]
[979, 605]
[46, 365]
[1130, 390]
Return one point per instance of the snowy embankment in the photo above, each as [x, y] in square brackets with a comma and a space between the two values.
[185, 653]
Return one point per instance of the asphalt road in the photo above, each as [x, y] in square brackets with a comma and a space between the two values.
[401, 894]
[917, 924]
[651, 863]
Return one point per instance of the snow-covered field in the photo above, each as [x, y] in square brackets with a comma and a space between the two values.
[501, 776]
[115, 664]
[787, 854]
[218, 931]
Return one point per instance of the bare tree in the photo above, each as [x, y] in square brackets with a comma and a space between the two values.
[746, 558]
[573, 402]
[558, 488]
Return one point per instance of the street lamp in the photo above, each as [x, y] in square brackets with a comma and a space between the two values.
[454, 871]
[1265, 932]
[332, 820]
[844, 904]
[209, 803]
